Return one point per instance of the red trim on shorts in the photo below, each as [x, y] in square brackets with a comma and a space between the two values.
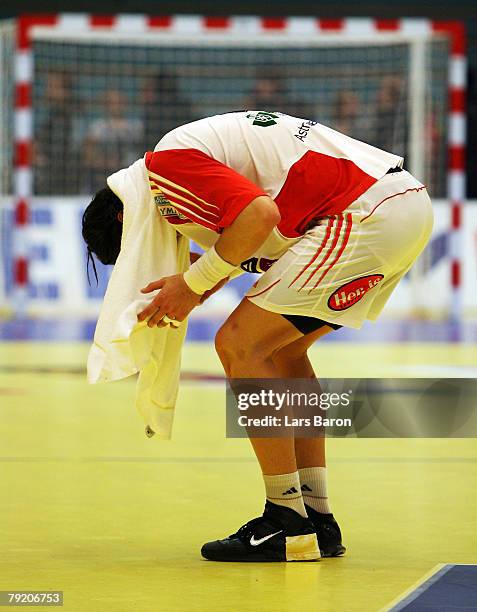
[389, 197]
[318, 251]
[349, 225]
[264, 290]
[330, 250]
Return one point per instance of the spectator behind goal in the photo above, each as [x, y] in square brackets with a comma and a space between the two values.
[53, 150]
[164, 107]
[270, 93]
[111, 141]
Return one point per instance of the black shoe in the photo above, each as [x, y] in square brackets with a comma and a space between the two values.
[281, 534]
[328, 532]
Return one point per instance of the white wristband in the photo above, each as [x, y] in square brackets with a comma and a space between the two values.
[207, 271]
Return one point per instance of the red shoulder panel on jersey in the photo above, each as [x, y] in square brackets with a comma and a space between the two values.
[318, 185]
[202, 188]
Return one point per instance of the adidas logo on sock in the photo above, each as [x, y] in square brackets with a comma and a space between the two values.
[305, 488]
[290, 491]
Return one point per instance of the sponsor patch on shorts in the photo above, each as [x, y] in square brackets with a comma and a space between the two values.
[350, 293]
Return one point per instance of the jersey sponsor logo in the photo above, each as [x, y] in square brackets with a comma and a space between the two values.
[255, 542]
[161, 200]
[164, 205]
[263, 118]
[350, 293]
[304, 128]
[257, 265]
[170, 211]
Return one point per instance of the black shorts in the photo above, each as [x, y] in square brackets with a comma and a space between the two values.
[306, 325]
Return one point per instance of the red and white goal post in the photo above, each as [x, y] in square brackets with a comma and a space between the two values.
[214, 62]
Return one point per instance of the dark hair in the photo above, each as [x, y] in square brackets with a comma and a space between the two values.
[102, 229]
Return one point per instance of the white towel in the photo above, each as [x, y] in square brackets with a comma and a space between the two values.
[150, 249]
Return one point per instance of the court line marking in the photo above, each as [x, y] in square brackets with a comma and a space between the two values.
[413, 589]
[421, 586]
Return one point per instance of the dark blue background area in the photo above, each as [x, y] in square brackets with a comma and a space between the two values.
[449, 589]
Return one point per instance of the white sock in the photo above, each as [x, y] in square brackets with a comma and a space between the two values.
[284, 490]
[314, 489]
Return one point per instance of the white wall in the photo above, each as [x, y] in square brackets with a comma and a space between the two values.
[58, 273]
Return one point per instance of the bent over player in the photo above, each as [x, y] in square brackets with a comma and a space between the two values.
[332, 223]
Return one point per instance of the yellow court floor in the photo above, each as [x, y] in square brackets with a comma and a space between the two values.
[92, 507]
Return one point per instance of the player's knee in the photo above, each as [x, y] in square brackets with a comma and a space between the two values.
[232, 346]
[225, 340]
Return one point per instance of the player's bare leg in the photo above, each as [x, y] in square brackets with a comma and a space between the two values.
[292, 361]
[255, 343]
[247, 344]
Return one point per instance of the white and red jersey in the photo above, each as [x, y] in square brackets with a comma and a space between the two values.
[203, 174]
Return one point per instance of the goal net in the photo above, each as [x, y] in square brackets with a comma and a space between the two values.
[100, 101]
[97, 92]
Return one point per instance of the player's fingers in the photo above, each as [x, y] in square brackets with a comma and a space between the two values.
[147, 312]
[156, 318]
[150, 309]
[159, 284]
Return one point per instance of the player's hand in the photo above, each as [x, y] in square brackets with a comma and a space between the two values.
[174, 300]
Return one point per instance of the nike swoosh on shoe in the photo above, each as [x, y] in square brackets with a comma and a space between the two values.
[255, 542]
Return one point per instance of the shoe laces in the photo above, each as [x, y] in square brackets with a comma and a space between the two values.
[247, 530]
